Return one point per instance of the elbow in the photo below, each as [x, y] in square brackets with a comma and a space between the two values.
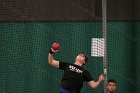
[94, 87]
[50, 62]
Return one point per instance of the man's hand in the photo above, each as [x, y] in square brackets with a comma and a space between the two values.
[54, 50]
[101, 78]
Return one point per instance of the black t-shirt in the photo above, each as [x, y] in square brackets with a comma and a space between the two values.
[74, 76]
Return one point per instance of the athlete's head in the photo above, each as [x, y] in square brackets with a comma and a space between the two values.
[112, 85]
[82, 58]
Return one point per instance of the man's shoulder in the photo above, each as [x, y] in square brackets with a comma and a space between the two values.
[67, 63]
[85, 70]
[63, 64]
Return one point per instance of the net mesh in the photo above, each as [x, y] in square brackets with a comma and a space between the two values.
[28, 29]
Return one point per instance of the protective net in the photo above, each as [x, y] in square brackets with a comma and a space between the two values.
[28, 28]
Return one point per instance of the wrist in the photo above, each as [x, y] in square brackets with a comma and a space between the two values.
[50, 51]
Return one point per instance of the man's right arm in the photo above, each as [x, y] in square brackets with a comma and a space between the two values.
[51, 59]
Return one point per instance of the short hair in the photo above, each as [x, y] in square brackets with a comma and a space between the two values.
[112, 80]
[86, 58]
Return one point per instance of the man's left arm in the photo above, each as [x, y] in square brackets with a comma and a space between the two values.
[94, 84]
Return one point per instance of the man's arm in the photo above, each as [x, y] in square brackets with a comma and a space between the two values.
[94, 84]
[51, 59]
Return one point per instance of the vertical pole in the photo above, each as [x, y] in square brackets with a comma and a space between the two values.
[104, 30]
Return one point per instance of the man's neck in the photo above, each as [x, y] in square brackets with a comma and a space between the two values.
[111, 92]
[77, 63]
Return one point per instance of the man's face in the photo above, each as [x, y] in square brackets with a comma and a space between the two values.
[81, 58]
[111, 87]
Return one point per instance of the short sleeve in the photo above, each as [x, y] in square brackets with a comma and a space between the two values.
[62, 65]
[88, 76]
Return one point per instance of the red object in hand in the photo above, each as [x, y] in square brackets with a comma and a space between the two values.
[55, 46]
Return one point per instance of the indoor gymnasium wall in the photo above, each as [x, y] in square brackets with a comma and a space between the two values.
[25, 46]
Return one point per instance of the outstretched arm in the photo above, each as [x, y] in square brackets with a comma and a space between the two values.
[51, 59]
[94, 84]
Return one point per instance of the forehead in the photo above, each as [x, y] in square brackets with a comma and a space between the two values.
[81, 54]
[111, 83]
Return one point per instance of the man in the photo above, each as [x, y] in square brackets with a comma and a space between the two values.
[111, 86]
[74, 74]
